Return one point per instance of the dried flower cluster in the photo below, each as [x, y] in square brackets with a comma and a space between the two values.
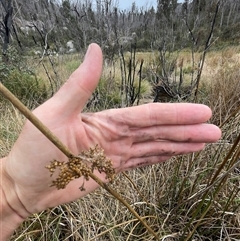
[82, 165]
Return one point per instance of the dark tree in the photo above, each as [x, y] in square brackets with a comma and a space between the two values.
[6, 24]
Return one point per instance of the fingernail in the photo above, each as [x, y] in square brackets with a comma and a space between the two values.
[88, 52]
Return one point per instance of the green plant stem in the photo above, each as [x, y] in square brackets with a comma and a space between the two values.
[228, 157]
[41, 127]
[231, 155]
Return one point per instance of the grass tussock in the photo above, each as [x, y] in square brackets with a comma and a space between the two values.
[191, 197]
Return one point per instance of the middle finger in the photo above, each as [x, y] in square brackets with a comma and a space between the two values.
[178, 133]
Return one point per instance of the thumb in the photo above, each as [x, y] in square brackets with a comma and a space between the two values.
[74, 94]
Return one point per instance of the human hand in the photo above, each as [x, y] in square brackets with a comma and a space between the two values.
[131, 137]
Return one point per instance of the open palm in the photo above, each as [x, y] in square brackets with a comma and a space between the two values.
[131, 137]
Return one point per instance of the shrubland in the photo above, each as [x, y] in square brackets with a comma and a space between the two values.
[190, 197]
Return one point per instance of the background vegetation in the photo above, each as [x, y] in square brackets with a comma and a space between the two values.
[177, 52]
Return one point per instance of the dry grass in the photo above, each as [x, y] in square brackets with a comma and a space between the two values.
[222, 80]
[11, 122]
[181, 199]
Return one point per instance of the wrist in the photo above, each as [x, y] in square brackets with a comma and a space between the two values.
[10, 218]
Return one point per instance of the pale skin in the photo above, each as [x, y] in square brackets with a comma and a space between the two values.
[131, 137]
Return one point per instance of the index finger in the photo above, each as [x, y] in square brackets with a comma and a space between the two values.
[162, 114]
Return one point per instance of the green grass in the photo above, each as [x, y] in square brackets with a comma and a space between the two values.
[190, 197]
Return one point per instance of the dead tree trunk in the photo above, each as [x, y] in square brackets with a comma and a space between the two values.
[6, 26]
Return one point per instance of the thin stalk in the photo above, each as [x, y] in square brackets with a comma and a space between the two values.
[35, 121]
[232, 155]
[135, 186]
[207, 45]
[41, 127]
[228, 157]
[233, 114]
